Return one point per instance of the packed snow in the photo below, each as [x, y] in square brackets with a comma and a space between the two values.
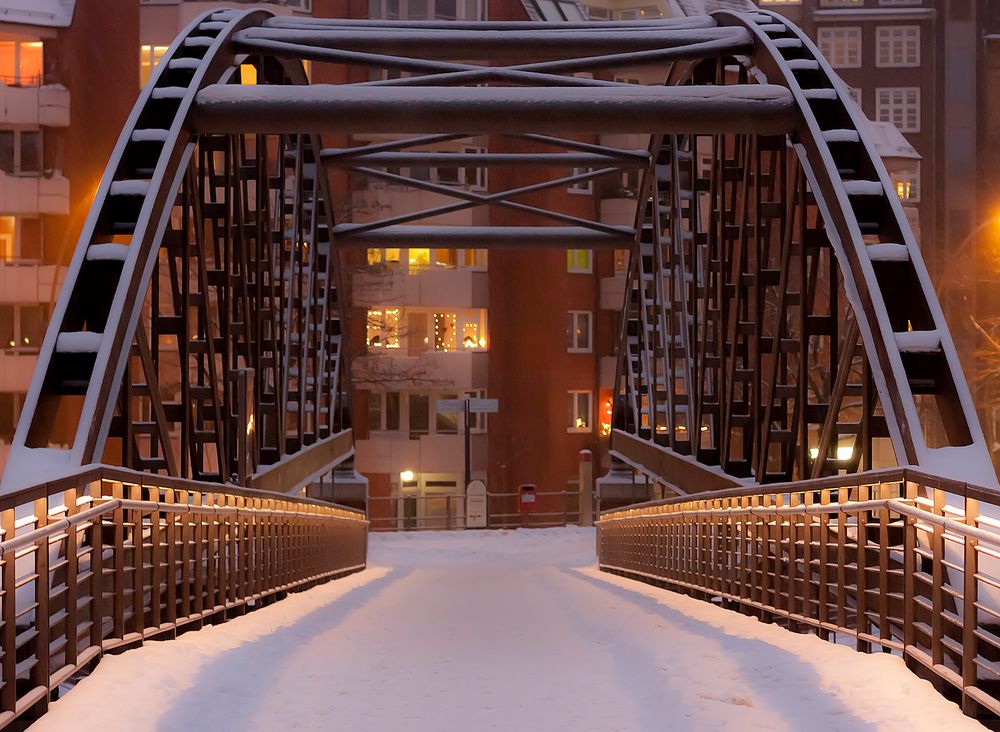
[504, 630]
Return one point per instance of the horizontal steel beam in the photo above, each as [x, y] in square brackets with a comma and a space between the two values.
[290, 21]
[480, 237]
[748, 109]
[500, 44]
[299, 469]
[350, 158]
[680, 472]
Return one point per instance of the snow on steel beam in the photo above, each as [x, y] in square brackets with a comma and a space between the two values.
[281, 21]
[750, 109]
[481, 237]
[351, 157]
[499, 44]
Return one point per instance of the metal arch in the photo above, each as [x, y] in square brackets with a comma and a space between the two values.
[726, 278]
[704, 396]
[158, 251]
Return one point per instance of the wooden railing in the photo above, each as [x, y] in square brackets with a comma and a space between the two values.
[109, 557]
[899, 561]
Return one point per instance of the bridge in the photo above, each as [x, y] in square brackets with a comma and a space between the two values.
[784, 369]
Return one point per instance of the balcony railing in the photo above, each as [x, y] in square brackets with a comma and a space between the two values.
[109, 558]
[896, 561]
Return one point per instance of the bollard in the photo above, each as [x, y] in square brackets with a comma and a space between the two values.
[586, 488]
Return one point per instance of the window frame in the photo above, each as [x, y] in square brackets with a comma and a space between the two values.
[838, 35]
[904, 106]
[581, 187]
[573, 269]
[17, 161]
[916, 182]
[18, 79]
[573, 396]
[884, 39]
[573, 318]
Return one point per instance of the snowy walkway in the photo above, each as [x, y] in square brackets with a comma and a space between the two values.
[496, 630]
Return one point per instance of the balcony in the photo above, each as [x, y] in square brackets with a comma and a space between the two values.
[618, 211]
[431, 287]
[29, 282]
[35, 106]
[436, 370]
[34, 194]
[379, 202]
[393, 452]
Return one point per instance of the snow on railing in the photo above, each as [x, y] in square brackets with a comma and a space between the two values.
[899, 561]
[108, 558]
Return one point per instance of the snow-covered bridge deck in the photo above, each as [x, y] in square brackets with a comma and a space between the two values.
[497, 630]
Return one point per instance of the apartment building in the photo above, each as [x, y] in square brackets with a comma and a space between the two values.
[62, 101]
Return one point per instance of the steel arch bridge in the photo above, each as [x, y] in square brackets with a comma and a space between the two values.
[777, 304]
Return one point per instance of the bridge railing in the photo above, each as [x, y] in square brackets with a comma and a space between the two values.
[900, 561]
[110, 557]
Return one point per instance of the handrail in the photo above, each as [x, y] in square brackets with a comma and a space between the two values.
[897, 560]
[108, 557]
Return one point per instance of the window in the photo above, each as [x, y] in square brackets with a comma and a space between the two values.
[427, 9]
[149, 57]
[383, 411]
[477, 420]
[900, 2]
[10, 406]
[597, 13]
[579, 411]
[418, 260]
[446, 423]
[419, 413]
[780, 2]
[621, 261]
[581, 186]
[906, 181]
[898, 46]
[841, 46]
[21, 63]
[899, 105]
[383, 328]
[22, 327]
[579, 332]
[21, 152]
[579, 261]
[841, 3]
[644, 13]
[20, 239]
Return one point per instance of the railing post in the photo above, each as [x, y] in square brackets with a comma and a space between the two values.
[937, 591]
[970, 596]
[43, 617]
[8, 694]
[909, 569]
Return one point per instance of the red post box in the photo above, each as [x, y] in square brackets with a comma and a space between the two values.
[526, 497]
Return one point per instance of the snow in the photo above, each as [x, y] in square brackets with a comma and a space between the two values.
[52, 13]
[919, 341]
[78, 342]
[497, 630]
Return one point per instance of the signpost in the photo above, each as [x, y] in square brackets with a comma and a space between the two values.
[468, 405]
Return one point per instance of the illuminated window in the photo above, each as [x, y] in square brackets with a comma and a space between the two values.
[579, 411]
[149, 57]
[906, 181]
[621, 261]
[445, 336]
[248, 74]
[420, 259]
[579, 261]
[898, 46]
[899, 105]
[21, 63]
[474, 258]
[579, 331]
[22, 327]
[20, 238]
[581, 186]
[647, 12]
[383, 328]
[841, 46]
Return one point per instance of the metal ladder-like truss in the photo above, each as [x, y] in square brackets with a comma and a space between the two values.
[222, 353]
[779, 321]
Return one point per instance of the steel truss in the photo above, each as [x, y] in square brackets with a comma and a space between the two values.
[779, 323]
